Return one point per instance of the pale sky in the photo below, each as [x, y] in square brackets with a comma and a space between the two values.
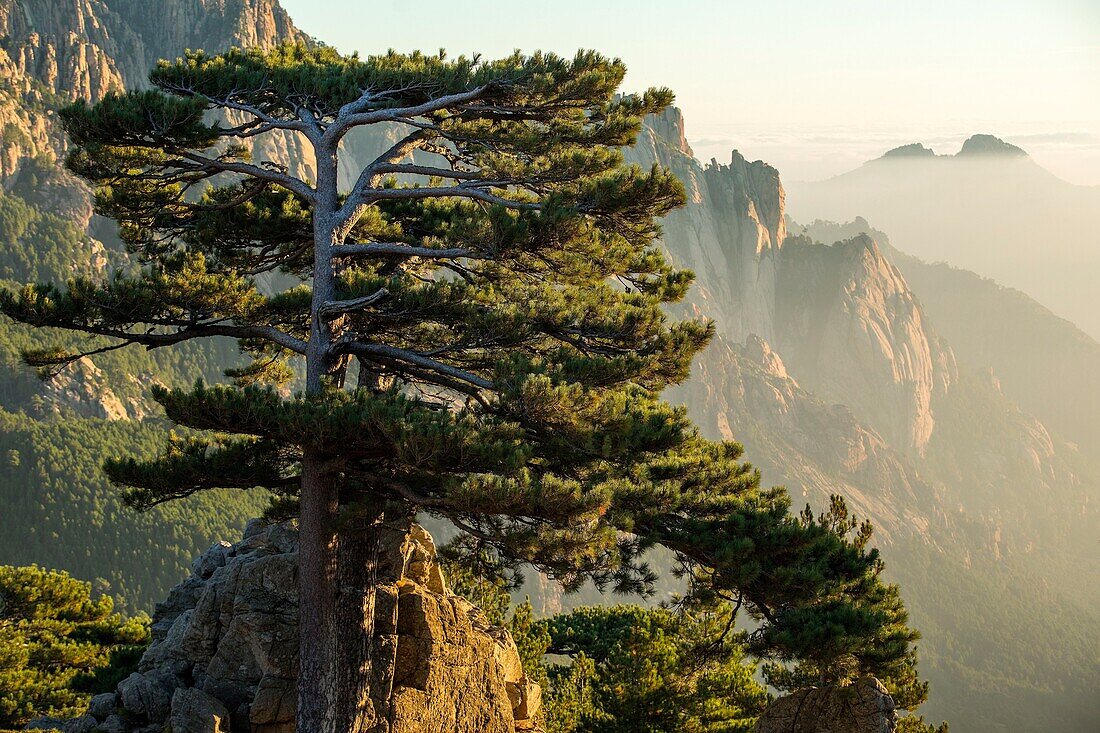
[813, 87]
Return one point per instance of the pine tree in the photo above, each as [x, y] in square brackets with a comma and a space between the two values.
[480, 323]
[57, 644]
[656, 670]
[478, 314]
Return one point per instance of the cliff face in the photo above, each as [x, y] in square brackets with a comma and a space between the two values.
[83, 49]
[827, 366]
[53, 52]
[847, 330]
[815, 448]
[847, 321]
[830, 371]
[843, 317]
[730, 233]
[989, 208]
[57, 51]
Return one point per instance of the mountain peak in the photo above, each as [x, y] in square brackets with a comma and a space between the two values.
[912, 150]
[669, 126]
[988, 145]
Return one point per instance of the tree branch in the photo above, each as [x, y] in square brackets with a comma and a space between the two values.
[369, 178]
[414, 497]
[382, 249]
[157, 340]
[392, 353]
[349, 117]
[270, 122]
[459, 191]
[426, 170]
[334, 308]
[285, 180]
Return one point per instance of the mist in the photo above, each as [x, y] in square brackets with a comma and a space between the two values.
[999, 214]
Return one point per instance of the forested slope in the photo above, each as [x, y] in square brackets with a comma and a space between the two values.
[58, 510]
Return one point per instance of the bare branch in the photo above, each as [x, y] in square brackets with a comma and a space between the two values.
[270, 122]
[370, 178]
[267, 333]
[349, 117]
[459, 191]
[285, 180]
[392, 353]
[50, 367]
[311, 121]
[425, 170]
[201, 330]
[416, 498]
[381, 249]
[334, 308]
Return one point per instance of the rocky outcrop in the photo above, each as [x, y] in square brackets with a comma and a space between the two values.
[862, 707]
[828, 369]
[989, 145]
[83, 49]
[843, 318]
[814, 447]
[84, 389]
[55, 51]
[729, 234]
[912, 150]
[224, 649]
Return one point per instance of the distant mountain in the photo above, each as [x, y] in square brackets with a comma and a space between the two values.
[989, 208]
[1045, 363]
[837, 378]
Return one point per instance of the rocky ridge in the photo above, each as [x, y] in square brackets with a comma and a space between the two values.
[53, 52]
[84, 49]
[848, 330]
[816, 434]
[224, 651]
[975, 145]
[842, 316]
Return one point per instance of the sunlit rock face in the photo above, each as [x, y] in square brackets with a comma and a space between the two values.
[69, 50]
[83, 49]
[851, 327]
[829, 369]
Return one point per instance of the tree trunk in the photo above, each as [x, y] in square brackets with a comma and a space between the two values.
[319, 657]
[317, 585]
[361, 704]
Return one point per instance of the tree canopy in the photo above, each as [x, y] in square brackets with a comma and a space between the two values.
[478, 312]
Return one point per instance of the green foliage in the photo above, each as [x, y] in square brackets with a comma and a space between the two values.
[625, 667]
[850, 629]
[916, 724]
[57, 644]
[636, 669]
[543, 335]
[38, 245]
